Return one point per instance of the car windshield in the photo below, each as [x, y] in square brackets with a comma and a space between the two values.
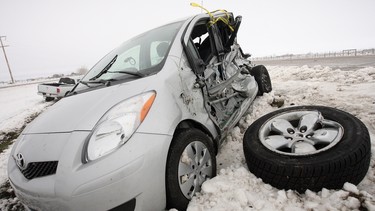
[141, 56]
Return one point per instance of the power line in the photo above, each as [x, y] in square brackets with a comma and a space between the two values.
[6, 58]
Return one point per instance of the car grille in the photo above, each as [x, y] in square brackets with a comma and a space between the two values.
[39, 169]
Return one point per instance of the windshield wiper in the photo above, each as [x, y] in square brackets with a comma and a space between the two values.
[101, 81]
[76, 85]
[84, 83]
[109, 65]
[138, 74]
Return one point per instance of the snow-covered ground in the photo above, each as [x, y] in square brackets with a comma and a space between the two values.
[17, 103]
[235, 188]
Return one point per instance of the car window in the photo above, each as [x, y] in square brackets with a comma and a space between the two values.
[127, 59]
[201, 39]
[144, 54]
[158, 50]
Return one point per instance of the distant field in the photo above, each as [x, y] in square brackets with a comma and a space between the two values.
[344, 63]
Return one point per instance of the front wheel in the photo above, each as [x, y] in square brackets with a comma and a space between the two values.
[308, 147]
[191, 161]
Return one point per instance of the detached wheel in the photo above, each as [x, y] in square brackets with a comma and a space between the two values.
[308, 147]
[191, 161]
[262, 78]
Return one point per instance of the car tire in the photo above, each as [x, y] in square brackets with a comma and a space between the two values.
[49, 99]
[191, 161]
[292, 149]
[262, 78]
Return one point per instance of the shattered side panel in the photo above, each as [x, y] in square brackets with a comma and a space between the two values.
[230, 91]
[224, 89]
[192, 96]
[188, 98]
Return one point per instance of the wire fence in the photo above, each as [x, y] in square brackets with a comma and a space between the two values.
[343, 53]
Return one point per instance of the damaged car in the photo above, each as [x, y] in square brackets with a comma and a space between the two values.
[141, 130]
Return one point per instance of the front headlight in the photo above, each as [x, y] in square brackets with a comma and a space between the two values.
[117, 126]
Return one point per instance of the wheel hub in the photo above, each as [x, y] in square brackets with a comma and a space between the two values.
[300, 133]
[194, 168]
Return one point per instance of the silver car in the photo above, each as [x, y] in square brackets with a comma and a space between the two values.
[142, 128]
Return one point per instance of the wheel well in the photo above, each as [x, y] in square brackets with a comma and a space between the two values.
[193, 124]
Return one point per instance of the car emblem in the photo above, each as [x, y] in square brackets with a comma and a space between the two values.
[20, 160]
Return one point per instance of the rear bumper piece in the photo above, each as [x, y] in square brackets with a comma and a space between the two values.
[47, 94]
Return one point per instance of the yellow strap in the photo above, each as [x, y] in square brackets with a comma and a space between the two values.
[213, 19]
[198, 5]
[223, 20]
[221, 10]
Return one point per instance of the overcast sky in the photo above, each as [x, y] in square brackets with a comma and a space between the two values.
[50, 36]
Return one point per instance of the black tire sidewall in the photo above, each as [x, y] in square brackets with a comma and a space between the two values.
[259, 72]
[175, 198]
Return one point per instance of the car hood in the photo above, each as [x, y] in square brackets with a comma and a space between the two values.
[82, 111]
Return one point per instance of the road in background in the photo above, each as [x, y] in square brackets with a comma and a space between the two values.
[344, 63]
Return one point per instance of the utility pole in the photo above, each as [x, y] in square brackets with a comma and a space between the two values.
[6, 58]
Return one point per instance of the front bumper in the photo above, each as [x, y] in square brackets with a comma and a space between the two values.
[134, 171]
